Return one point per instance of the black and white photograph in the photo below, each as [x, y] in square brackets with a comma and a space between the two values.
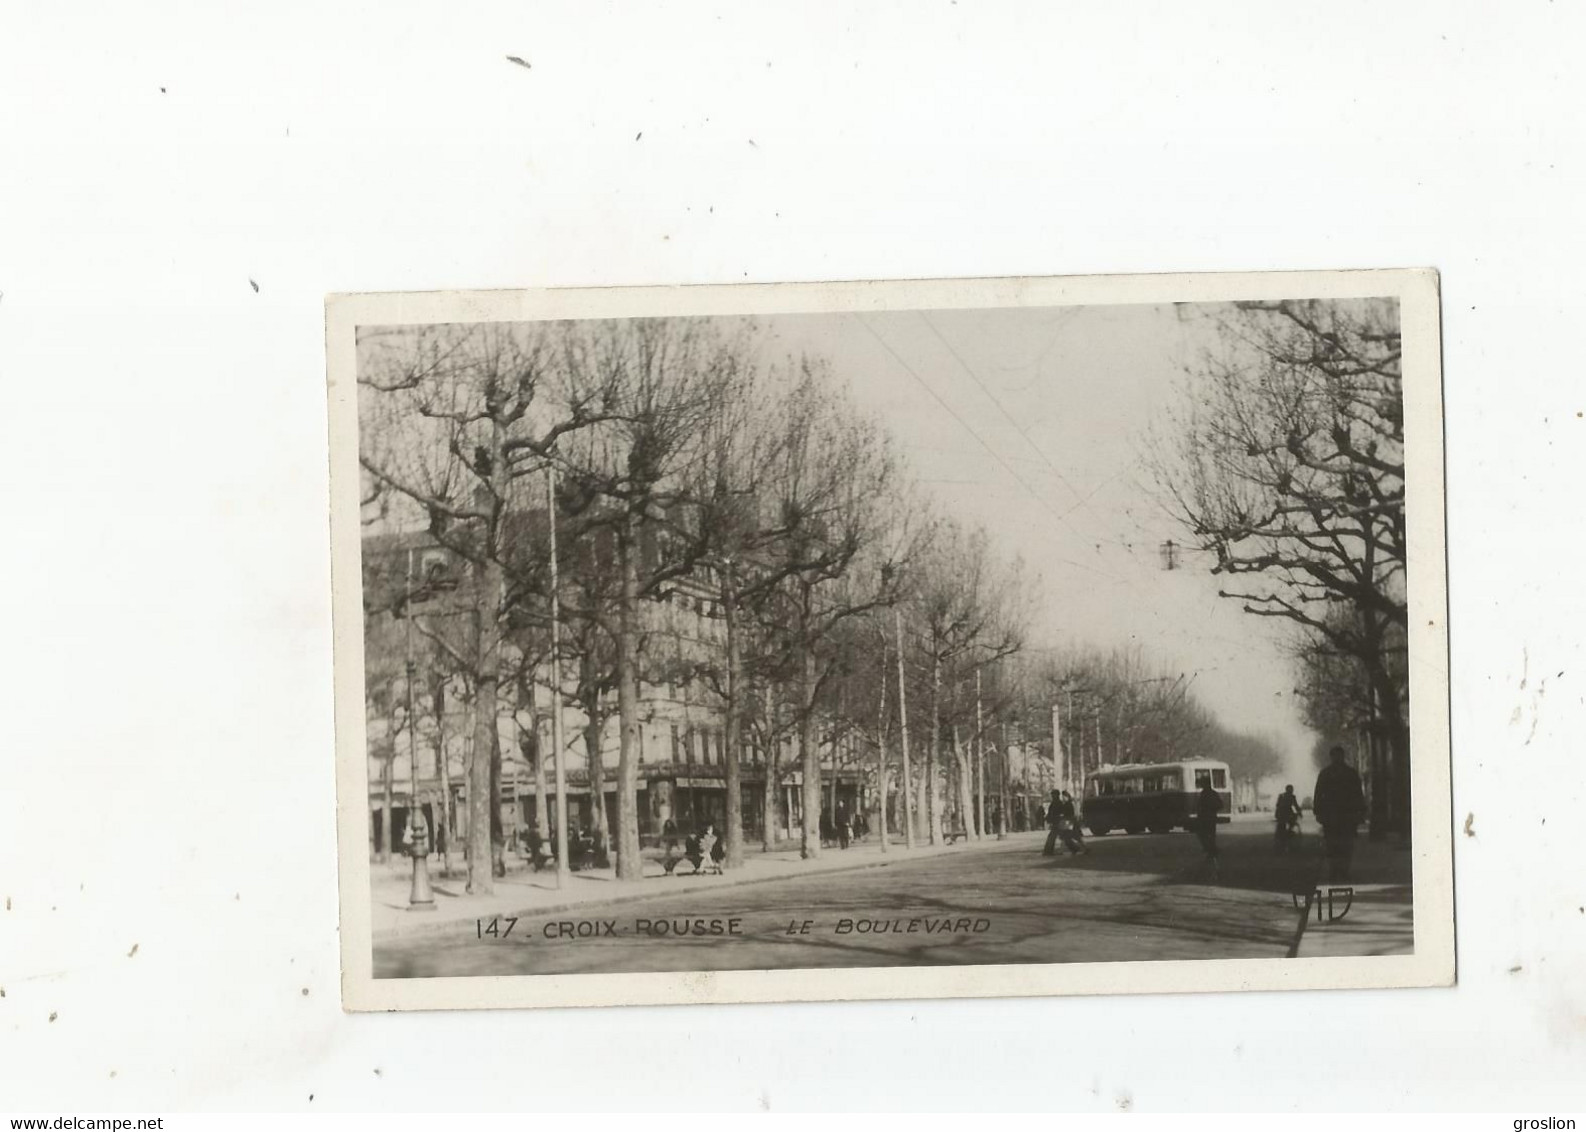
[1001, 634]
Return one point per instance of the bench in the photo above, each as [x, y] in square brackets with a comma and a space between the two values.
[952, 835]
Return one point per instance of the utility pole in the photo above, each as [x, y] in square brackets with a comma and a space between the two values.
[1076, 781]
[980, 763]
[409, 668]
[903, 716]
[563, 873]
[881, 744]
[420, 897]
[1057, 745]
[1002, 782]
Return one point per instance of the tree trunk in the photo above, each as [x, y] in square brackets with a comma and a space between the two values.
[533, 754]
[831, 784]
[443, 773]
[909, 809]
[386, 774]
[1006, 805]
[498, 839]
[485, 759]
[881, 750]
[966, 799]
[629, 866]
[534, 751]
[594, 741]
[809, 757]
[933, 809]
[731, 738]
[773, 776]
[1390, 811]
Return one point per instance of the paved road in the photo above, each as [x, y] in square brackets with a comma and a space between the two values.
[1129, 898]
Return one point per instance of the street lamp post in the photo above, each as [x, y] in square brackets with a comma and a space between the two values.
[420, 896]
[563, 873]
[978, 754]
[903, 720]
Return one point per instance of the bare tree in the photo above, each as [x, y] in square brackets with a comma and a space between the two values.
[1286, 464]
[658, 382]
[966, 611]
[824, 555]
[454, 420]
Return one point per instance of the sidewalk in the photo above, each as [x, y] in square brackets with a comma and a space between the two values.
[1380, 921]
[525, 892]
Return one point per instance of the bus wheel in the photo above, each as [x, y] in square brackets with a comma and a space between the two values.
[1100, 830]
[1134, 829]
[1161, 829]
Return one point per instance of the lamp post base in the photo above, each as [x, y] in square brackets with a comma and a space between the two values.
[420, 897]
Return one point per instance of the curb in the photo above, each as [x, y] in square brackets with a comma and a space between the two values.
[1305, 922]
[428, 927]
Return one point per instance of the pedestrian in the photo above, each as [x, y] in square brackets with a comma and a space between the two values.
[1207, 807]
[1068, 825]
[844, 833]
[1053, 817]
[706, 846]
[1339, 805]
[1288, 818]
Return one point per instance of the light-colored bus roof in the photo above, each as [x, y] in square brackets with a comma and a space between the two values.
[1138, 768]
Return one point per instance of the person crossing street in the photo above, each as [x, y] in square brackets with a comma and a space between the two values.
[1063, 821]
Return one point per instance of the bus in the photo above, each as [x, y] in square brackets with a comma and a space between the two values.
[1155, 796]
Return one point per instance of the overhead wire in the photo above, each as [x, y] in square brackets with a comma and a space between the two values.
[990, 451]
[1082, 501]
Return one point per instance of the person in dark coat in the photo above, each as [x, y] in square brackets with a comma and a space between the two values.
[1207, 807]
[1053, 816]
[1068, 824]
[1339, 805]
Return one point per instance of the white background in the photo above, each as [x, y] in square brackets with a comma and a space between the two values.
[165, 759]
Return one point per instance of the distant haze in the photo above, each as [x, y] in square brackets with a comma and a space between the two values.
[1077, 389]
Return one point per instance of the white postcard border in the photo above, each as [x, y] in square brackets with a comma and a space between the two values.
[1432, 963]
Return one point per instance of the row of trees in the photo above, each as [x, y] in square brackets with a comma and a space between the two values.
[1285, 463]
[848, 618]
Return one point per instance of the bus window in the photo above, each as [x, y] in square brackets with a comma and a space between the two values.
[1203, 778]
[1220, 779]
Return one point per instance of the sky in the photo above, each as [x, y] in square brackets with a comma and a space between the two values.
[1031, 423]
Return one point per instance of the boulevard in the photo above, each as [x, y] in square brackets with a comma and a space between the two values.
[1141, 897]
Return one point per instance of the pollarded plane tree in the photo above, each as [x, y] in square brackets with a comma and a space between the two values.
[964, 610]
[1285, 463]
[659, 383]
[824, 559]
[457, 422]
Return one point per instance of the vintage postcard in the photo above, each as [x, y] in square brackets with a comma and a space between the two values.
[883, 640]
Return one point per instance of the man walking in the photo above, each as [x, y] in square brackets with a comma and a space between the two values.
[1338, 803]
[1207, 807]
[1054, 815]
